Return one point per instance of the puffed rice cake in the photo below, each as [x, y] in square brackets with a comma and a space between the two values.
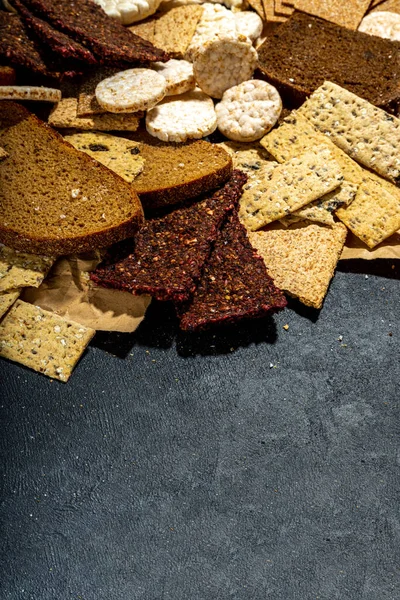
[130, 91]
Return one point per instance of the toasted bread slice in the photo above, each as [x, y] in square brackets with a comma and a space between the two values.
[54, 199]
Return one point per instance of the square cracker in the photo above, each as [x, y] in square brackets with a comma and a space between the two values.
[289, 187]
[64, 116]
[7, 299]
[269, 10]
[302, 259]
[366, 133]
[282, 9]
[321, 211]
[374, 215]
[347, 13]
[42, 340]
[19, 269]
[3, 154]
[116, 153]
[173, 30]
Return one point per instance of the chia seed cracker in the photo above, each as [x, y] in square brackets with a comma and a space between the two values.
[235, 283]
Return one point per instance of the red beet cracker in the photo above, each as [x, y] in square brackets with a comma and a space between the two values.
[169, 252]
[234, 284]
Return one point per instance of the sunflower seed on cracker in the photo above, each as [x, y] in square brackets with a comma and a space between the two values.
[181, 118]
[19, 269]
[292, 185]
[131, 90]
[42, 340]
[248, 110]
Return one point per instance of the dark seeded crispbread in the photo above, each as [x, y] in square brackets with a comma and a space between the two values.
[88, 24]
[52, 40]
[234, 285]
[169, 252]
[299, 55]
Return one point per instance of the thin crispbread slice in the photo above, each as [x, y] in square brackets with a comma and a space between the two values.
[3, 154]
[42, 341]
[366, 133]
[291, 186]
[347, 13]
[173, 30]
[388, 5]
[258, 7]
[283, 9]
[25, 92]
[144, 29]
[19, 269]
[269, 10]
[249, 157]
[374, 215]
[7, 299]
[302, 259]
[64, 116]
[116, 153]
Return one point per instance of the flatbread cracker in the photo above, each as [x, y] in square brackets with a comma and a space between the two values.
[173, 30]
[116, 153]
[87, 103]
[19, 269]
[42, 340]
[374, 215]
[302, 259]
[389, 5]
[248, 157]
[7, 299]
[3, 154]
[366, 133]
[321, 211]
[24, 92]
[347, 13]
[64, 116]
[291, 186]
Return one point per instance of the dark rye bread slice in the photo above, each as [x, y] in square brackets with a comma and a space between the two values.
[52, 40]
[54, 199]
[17, 49]
[176, 172]
[166, 256]
[305, 51]
[88, 24]
[235, 284]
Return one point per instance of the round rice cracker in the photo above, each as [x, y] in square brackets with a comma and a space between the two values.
[383, 24]
[223, 63]
[248, 111]
[190, 116]
[249, 24]
[130, 91]
[178, 75]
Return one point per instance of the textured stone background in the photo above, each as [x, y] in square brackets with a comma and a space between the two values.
[189, 468]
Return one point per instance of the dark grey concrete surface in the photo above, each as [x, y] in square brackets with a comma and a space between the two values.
[249, 463]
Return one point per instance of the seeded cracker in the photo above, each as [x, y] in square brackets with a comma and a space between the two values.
[223, 63]
[366, 133]
[174, 30]
[292, 185]
[130, 91]
[180, 118]
[118, 154]
[248, 157]
[64, 115]
[234, 284]
[7, 299]
[169, 252]
[302, 259]
[18, 269]
[22, 92]
[42, 340]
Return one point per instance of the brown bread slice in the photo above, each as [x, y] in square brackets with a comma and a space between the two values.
[176, 172]
[53, 198]
[299, 55]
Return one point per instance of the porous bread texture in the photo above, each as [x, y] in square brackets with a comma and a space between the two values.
[176, 172]
[54, 199]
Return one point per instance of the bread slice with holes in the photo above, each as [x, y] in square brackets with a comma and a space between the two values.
[54, 199]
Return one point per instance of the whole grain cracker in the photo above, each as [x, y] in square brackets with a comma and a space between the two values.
[382, 24]
[87, 103]
[223, 63]
[180, 118]
[374, 215]
[3, 154]
[116, 153]
[248, 157]
[302, 259]
[178, 75]
[258, 7]
[291, 186]
[24, 92]
[64, 116]
[174, 30]
[347, 13]
[7, 299]
[131, 90]
[281, 8]
[248, 110]
[366, 133]
[19, 269]
[145, 29]
[42, 340]
[270, 15]
[389, 5]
